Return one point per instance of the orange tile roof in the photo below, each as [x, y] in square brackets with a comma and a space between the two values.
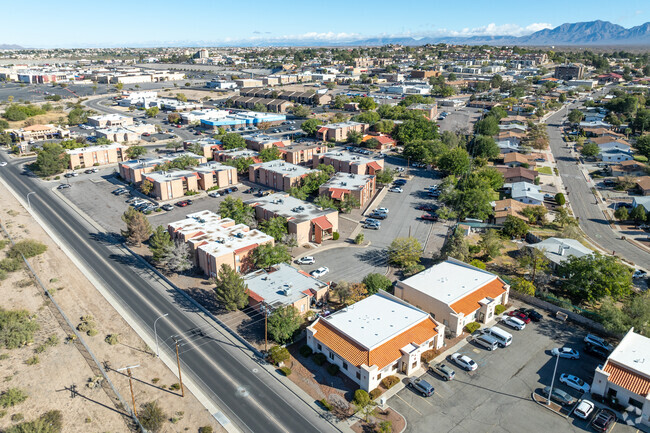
[627, 379]
[255, 296]
[469, 303]
[643, 182]
[322, 222]
[381, 356]
[337, 193]
[375, 165]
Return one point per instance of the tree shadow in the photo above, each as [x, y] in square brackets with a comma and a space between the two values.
[373, 256]
[107, 238]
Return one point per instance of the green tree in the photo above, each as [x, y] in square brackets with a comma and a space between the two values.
[300, 111]
[496, 81]
[267, 255]
[638, 214]
[181, 97]
[241, 164]
[135, 152]
[478, 264]
[311, 126]
[491, 244]
[325, 202]
[160, 243]
[152, 112]
[138, 228]
[348, 203]
[642, 145]
[594, 276]
[404, 252]
[514, 227]
[151, 415]
[174, 145]
[367, 103]
[385, 176]
[456, 161]
[384, 126]
[533, 260]
[283, 323]
[298, 193]
[487, 126]
[354, 137]
[576, 116]
[51, 159]
[590, 149]
[376, 282]
[456, 246]
[270, 154]
[524, 286]
[177, 258]
[146, 187]
[419, 128]
[275, 227]
[230, 289]
[484, 147]
[560, 199]
[622, 214]
[641, 122]
[232, 140]
[235, 209]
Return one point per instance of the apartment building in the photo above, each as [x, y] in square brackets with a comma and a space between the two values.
[283, 285]
[96, 155]
[308, 222]
[133, 171]
[208, 146]
[573, 71]
[376, 337]
[430, 111]
[278, 175]
[307, 97]
[108, 120]
[301, 153]
[261, 141]
[250, 103]
[340, 131]
[168, 185]
[347, 162]
[230, 154]
[214, 241]
[214, 174]
[341, 185]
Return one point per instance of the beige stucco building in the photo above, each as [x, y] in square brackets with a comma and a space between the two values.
[341, 185]
[85, 157]
[277, 174]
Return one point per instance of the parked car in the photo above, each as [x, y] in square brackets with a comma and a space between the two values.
[597, 351]
[307, 260]
[559, 396]
[71, 174]
[603, 420]
[574, 382]
[444, 371]
[395, 189]
[3, 163]
[514, 322]
[381, 210]
[421, 386]
[464, 361]
[317, 273]
[584, 409]
[371, 226]
[167, 207]
[91, 170]
[565, 352]
[182, 203]
[429, 217]
[519, 315]
[533, 314]
[63, 186]
[189, 202]
[639, 274]
[400, 182]
[379, 215]
[234, 189]
[595, 340]
[214, 194]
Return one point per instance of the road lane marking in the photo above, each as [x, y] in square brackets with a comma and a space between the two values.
[408, 404]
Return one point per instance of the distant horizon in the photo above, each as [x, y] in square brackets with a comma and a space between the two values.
[207, 23]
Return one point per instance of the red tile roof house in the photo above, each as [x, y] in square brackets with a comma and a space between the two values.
[377, 337]
[455, 293]
[625, 375]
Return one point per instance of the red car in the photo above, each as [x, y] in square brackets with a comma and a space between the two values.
[426, 206]
[182, 203]
[429, 217]
[519, 315]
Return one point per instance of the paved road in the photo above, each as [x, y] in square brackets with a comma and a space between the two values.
[583, 202]
[250, 397]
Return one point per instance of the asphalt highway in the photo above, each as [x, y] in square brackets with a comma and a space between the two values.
[248, 395]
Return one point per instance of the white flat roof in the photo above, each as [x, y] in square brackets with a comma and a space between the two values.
[95, 148]
[449, 281]
[376, 319]
[633, 352]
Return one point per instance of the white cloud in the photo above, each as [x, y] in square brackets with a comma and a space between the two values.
[311, 36]
[493, 29]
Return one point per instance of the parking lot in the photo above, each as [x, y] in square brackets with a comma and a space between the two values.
[499, 391]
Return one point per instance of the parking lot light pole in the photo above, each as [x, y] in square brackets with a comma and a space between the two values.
[28, 194]
[156, 333]
[550, 392]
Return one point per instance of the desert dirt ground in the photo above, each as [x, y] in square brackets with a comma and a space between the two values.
[61, 366]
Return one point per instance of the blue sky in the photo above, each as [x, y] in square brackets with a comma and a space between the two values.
[75, 23]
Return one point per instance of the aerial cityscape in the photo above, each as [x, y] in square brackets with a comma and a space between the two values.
[343, 217]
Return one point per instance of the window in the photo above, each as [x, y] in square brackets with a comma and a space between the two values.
[320, 347]
[636, 403]
[414, 364]
[395, 366]
[431, 343]
[331, 355]
[611, 392]
[358, 375]
[345, 366]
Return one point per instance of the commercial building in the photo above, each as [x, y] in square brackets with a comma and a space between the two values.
[243, 119]
[455, 293]
[301, 153]
[342, 185]
[133, 171]
[307, 97]
[108, 120]
[340, 131]
[96, 155]
[214, 241]
[419, 74]
[306, 221]
[625, 376]
[121, 134]
[573, 71]
[376, 337]
[278, 175]
[221, 84]
[283, 285]
[430, 111]
[38, 132]
[347, 162]
[251, 103]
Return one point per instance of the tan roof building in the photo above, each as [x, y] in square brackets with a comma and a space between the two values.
[342, 185]
[508, 207]
[96, 155]
[347, 162]
[278, 174]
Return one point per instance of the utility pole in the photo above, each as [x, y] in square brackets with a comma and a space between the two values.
[128, 371]
[178, 361]
[266, 332]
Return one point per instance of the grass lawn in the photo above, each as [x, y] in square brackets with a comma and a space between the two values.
[545, 170]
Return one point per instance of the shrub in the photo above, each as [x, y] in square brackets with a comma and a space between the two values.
[559, 199]
[10, 265]
[375, 393]
[175, 386]
[326, 404]
[305, 351]
[3, 413]
[428, 355]
[390, 381]
[3, 274]
[87, 325]
[205, 429]
[28, 248]
[16, 328]
[361, 398]
[4, 356]
[285, 370]
[278, 354]
[358, 238]
[33, 360]
[319, 358]
[17, 417]
[112, 339]
[499, 309]
[12, 397]
[336, 236]
[333, 369]
[472, 327]
[155, 380]
[92, 332]
[152, 417]
[474, 249]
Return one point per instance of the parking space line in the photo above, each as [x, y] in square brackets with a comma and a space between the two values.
[408, 404]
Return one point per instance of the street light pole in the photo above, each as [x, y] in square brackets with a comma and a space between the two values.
[156, 333]
[557, 359]
[28, 194]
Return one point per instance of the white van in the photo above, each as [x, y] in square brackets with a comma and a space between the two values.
[504, 338]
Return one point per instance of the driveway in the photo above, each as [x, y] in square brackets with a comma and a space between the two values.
[583, 202]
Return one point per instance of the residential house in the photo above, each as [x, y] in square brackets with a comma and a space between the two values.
[525, 192]
[641, 201]
[347, 162]
[283, 285]
[514, 137]
[342, 185]
[508, 207]
[516, 159]
[517, 174]
[559, 250]
[614, 155]
[625, 376]
[385, 142]
[643, 185]
[629, 168]
[306, 221]
[340, 131]
[374, 338]
[277, 174]
[91, 156]
[455, 293]
[214, 241]
[514, 120]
